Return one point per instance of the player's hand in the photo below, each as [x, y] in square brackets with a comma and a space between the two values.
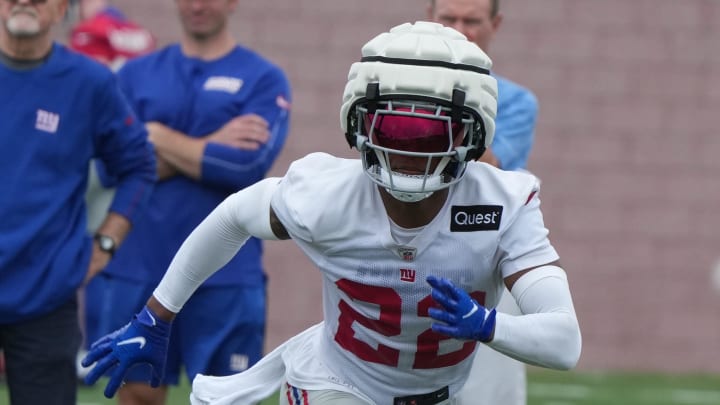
[246, 132]
[461, 316]
[143, 340]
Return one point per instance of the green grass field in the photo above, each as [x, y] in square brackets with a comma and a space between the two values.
[546, 388]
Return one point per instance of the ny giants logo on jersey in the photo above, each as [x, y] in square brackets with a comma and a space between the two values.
[471, 218]
[47, 121]
[223, 83]
[407, 275]
[239, 362]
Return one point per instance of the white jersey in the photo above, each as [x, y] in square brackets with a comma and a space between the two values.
[376, 337]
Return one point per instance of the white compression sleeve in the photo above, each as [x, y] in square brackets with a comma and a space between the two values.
[215, 241]
[548, 333]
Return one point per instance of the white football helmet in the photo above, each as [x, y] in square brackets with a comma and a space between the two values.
[421, 93]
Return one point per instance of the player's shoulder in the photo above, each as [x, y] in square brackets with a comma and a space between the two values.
[482, 172]
[507, 187]
[321, 167]
[316, 192]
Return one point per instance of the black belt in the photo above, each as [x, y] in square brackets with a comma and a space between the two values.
[432, 398]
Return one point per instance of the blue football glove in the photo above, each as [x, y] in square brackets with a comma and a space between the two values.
[143, 340]
[462, 316]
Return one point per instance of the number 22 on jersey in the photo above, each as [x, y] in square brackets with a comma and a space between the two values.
[427, 354]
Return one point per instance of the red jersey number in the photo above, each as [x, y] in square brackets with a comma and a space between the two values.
[388, 324]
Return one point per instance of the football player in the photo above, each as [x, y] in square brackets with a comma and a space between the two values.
[415, 241]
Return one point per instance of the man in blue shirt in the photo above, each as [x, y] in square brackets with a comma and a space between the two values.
[217, 114]
[495, 378]
[59, 110]
[479, 21]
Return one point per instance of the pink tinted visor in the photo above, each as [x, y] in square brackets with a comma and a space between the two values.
[413, 133]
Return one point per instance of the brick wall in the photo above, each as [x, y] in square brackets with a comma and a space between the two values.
[626, 147]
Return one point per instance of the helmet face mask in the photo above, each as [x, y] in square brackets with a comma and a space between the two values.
[413, 147]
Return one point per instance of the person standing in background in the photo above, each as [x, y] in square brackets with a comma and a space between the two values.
[59, 110]
[218, 115]
[106, 35]
[479, 21]
[505, 380]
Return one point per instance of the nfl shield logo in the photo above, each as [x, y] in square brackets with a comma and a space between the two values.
[407, 253]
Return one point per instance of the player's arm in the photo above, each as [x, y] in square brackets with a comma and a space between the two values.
[278, 232]
[277, 229]
[209, 247]
[548, 333]
[216, 240]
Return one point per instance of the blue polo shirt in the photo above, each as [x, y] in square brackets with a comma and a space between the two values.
[515, 124]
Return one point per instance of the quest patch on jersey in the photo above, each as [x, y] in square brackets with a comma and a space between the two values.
[471, 218]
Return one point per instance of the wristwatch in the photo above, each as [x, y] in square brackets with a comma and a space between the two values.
[106, 243]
